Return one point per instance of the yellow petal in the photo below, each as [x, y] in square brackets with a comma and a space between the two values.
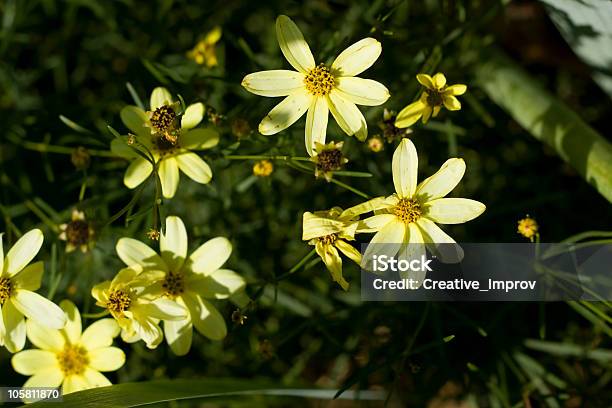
[45, 338]
[29, 278]
[206, 318]
[333, 262]
[443, 181]
[274, 83]
[375, 223]
[74, 383]
[106, 358]
[173, 243]
[357, 57]
[50, 377]
[370, 205]
[362, 91]
[410, 114]
[314, 226]
[427, 111]
[316, 123]
[405, 167]
[194, 167]
[159, 97]
[451, 103]
[24, 250]
[211, 255]
[40, 309]
[387, 241]
[30, 362]
[444, 246]
[73, 324]
[135, 119]
[179, 335]
[213, 36]
[137, 254]
[350, 251]
[193, 116]
[348, 116]
[439, 80]
[286, 113]
[413, 248]
[292, 44]
[219, 284]
[100, 334]
[95, 379]
[453, 210]
[199, 139]
[13, 327]
[457, 89]
[137, 172]
[426, 81]
[169, 177]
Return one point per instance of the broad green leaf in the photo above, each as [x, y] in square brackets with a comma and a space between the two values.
[153, 392]
[547, 119]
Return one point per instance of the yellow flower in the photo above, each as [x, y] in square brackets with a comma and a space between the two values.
[329, 230]
[129, 301]
[188, 281]
[18, 281]
[318, 89]
[528, 227]
[435, 95]
[78, 233]
[70, 357]
[170, 138]
[327, 159]
[204, 51]
[263, 168]
[406, 221]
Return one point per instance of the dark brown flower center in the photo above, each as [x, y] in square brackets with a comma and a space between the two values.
[119, 301]
[163, 119]
[319, 80]
[434, 98]
[173, 284]
[77, 232]
[329, 160]
[329, 239]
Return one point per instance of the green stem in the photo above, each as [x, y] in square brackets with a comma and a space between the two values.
[352, 189]
[96, 315]
[47, 148]
[265, 157]
[297, 266]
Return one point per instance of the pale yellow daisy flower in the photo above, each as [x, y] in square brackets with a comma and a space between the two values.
[169, 138]
[329, 232]
[78, 233]
[435, 95]
[70, 358]
[18, 283]
[318, 89]
[187, 280]
[134, 308]
[406, 221]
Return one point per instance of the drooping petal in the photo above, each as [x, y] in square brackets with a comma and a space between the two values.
[100, 334]
[135, 119]
[316, 123]
[29, 278]
[30, 362]
[194, 167]
[357, 58]
[106, 358]
[169, 176]
[173, 243]
[45, 338]
[333, 262]
[426, 81]
[219, 284]
[443, 181]
[137, 172]
[193, 115]
[14, 327]
[375, 223]
[206, 318]
[427, 111]
[451, 103]
[362, 91]
[350, 251]
[51, 377]
[444, 246]
[292, 44]
[405, 168]
[439, 80]
[211, 255]
[453, 210]
[40, 309]
[387, 241]
[159, 97]
[145, 328]
[286, 113]
[457, 89]
[413, 248]
[410, 114]
[74, 383]
[347, 114]
[277, 82]
[179, 334]
[24, 250]
[199, 139]
[73, 326]
[137, 254]
[95, 379]
[314, 226]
